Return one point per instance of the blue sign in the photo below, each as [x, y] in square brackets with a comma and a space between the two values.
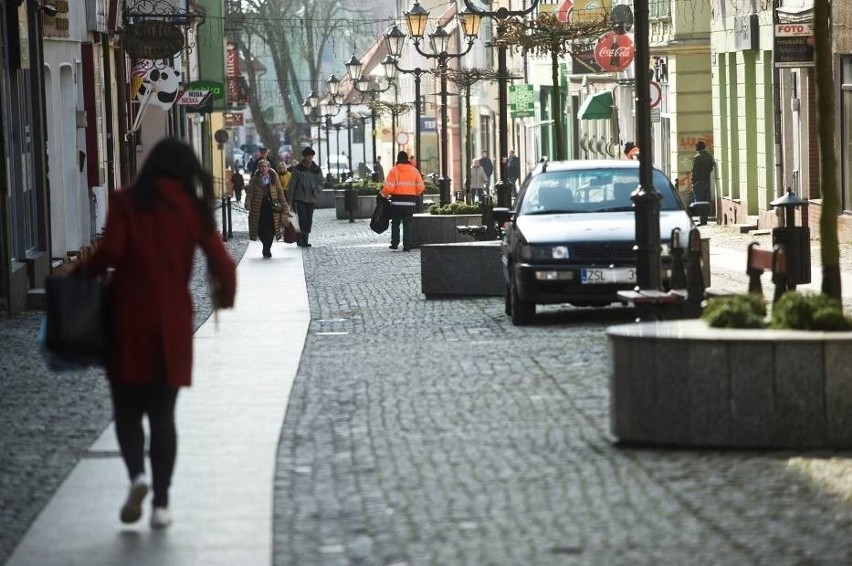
[428, 124]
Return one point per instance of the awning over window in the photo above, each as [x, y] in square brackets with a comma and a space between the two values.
[596, 106]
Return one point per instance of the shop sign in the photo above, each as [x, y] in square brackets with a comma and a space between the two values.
[521, 101]
[614, 52]
[152, 39]
[794, 45]
[234, 119]
[217, 88]
[195, 97]
[583, 61]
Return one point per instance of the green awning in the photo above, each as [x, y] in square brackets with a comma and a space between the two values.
[596, 106]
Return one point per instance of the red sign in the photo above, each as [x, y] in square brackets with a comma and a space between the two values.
[563, 11]
[614, 52]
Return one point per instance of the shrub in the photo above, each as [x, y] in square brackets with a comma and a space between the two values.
[456, 208]
[809, 311]
[739, 311]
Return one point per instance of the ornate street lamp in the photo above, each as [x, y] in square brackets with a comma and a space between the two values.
[395, 41]
[416, 19]
[368, 87]
[503, 187]
[309, 106]
[328, 109]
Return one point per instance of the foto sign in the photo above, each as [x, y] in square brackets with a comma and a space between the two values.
[794, 45]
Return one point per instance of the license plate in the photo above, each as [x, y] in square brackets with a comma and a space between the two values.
[608, 275]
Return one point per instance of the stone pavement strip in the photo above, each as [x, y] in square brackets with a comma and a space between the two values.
[434, 432]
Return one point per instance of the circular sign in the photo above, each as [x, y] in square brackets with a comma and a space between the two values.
[152, 39]
[656, 93]
[402, 138]
[614, 52]
[221, 136]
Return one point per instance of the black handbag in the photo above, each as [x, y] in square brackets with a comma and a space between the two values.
[76, 321]
[381, 215]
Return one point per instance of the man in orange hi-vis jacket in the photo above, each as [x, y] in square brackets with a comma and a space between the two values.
[403, 185]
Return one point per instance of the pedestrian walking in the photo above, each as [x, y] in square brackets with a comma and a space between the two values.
[631, 151]
[378, 170]
[513, 171]
[403, 186]
[266, 203]
[702, 168]
[150, 238]
[238, 183]
[478, 180]
[305, 185]
[487, 168]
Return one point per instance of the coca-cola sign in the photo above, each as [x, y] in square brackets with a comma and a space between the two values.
[614, 52]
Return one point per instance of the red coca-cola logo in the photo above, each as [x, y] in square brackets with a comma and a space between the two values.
[614, 52]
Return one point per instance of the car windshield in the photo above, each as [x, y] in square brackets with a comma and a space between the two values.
[590, 190]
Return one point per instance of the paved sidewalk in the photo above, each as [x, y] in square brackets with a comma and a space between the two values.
[229, 423]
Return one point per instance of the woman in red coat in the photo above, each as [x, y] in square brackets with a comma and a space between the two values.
[152, 231]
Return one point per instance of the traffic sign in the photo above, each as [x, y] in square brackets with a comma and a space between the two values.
[656, 94]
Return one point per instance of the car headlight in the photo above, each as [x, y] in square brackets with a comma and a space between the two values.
[533, 253]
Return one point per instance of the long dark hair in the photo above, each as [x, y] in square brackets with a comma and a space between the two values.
[175, 159]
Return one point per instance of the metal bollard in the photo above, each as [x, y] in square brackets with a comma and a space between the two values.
[224, 221]
[678, 278]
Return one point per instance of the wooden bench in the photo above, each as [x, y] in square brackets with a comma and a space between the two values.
[760, 261]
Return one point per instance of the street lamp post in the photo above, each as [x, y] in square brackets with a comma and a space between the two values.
[366, 86]
[416, 19]
[312, 113]
[395, 40]
[503, 187]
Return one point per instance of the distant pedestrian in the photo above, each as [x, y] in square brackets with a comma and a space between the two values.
[262, 155]
[306, 182]
[631, 151]
[513, 171]
[378, 170]
[238, 183]
[265, 202]
[151, 234]
[403, 186]
[487, 168]
[702, 169]
[478, 180]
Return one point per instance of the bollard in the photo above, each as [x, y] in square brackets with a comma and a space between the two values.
[678, 278]
[694, 276]
[504, 194]
[224, 222]
[230, 222]
[350, 202]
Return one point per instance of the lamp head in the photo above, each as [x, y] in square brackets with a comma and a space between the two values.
[416, 19]
[313, 99]
[440, 39]
[395, 41]
[469, 22]
[354, 67]
[389, 64]
[333, 84]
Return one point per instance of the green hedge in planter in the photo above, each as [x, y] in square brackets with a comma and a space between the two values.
[456, 208]
[794, 311]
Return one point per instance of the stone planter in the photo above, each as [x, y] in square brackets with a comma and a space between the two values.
[366, 204]
[441, 228]
[684, 383]
[326, 199]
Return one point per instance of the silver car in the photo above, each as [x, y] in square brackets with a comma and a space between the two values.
[571, 235]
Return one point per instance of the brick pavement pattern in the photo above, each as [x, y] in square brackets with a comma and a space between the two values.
[434, 432]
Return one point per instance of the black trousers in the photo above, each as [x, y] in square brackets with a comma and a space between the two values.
[266, 226]
[305, 212]
[157, 400]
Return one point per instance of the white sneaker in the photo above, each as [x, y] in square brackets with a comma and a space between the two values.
[131, 511]
[160, 518]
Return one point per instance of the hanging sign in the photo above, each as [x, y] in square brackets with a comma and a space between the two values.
[152, 39]
[794, 45]
[614, 52]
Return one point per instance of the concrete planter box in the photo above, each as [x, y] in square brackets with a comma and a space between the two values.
[326, 199]
[684, 383]
[441, 229]
[366, 205]
[462, 269]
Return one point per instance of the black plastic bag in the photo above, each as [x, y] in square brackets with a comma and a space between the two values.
[77, 325]
[381, 215]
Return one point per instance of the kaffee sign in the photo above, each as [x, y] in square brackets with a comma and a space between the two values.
[152, 39]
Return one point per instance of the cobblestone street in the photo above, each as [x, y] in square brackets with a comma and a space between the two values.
[434, 432]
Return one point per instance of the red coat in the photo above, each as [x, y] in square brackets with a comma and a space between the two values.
[149, 301]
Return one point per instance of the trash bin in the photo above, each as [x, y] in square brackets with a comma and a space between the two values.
[795, 239]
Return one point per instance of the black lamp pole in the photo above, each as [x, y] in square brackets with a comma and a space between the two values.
[469, 20]
[503, 187]
[646, 199]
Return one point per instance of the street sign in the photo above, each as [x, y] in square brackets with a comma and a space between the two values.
[402, 138]
[656, 94]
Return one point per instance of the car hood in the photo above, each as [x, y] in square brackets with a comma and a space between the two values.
[595, 226]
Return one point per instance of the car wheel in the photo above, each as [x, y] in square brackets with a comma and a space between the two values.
[507, 297]
[523, 312]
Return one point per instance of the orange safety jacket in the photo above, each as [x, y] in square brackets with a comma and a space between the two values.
[403, 185]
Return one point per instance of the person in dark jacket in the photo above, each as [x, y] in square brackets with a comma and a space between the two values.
[152, 231]
[378, 170]
[403, 186]
[487, 168]
[305, 185]
[702, 169]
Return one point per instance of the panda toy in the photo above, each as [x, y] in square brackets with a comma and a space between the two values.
[163, 84]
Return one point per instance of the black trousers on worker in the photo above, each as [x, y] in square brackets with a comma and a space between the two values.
[157, 400]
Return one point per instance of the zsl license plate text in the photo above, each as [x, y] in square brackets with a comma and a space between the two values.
[600, 276]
